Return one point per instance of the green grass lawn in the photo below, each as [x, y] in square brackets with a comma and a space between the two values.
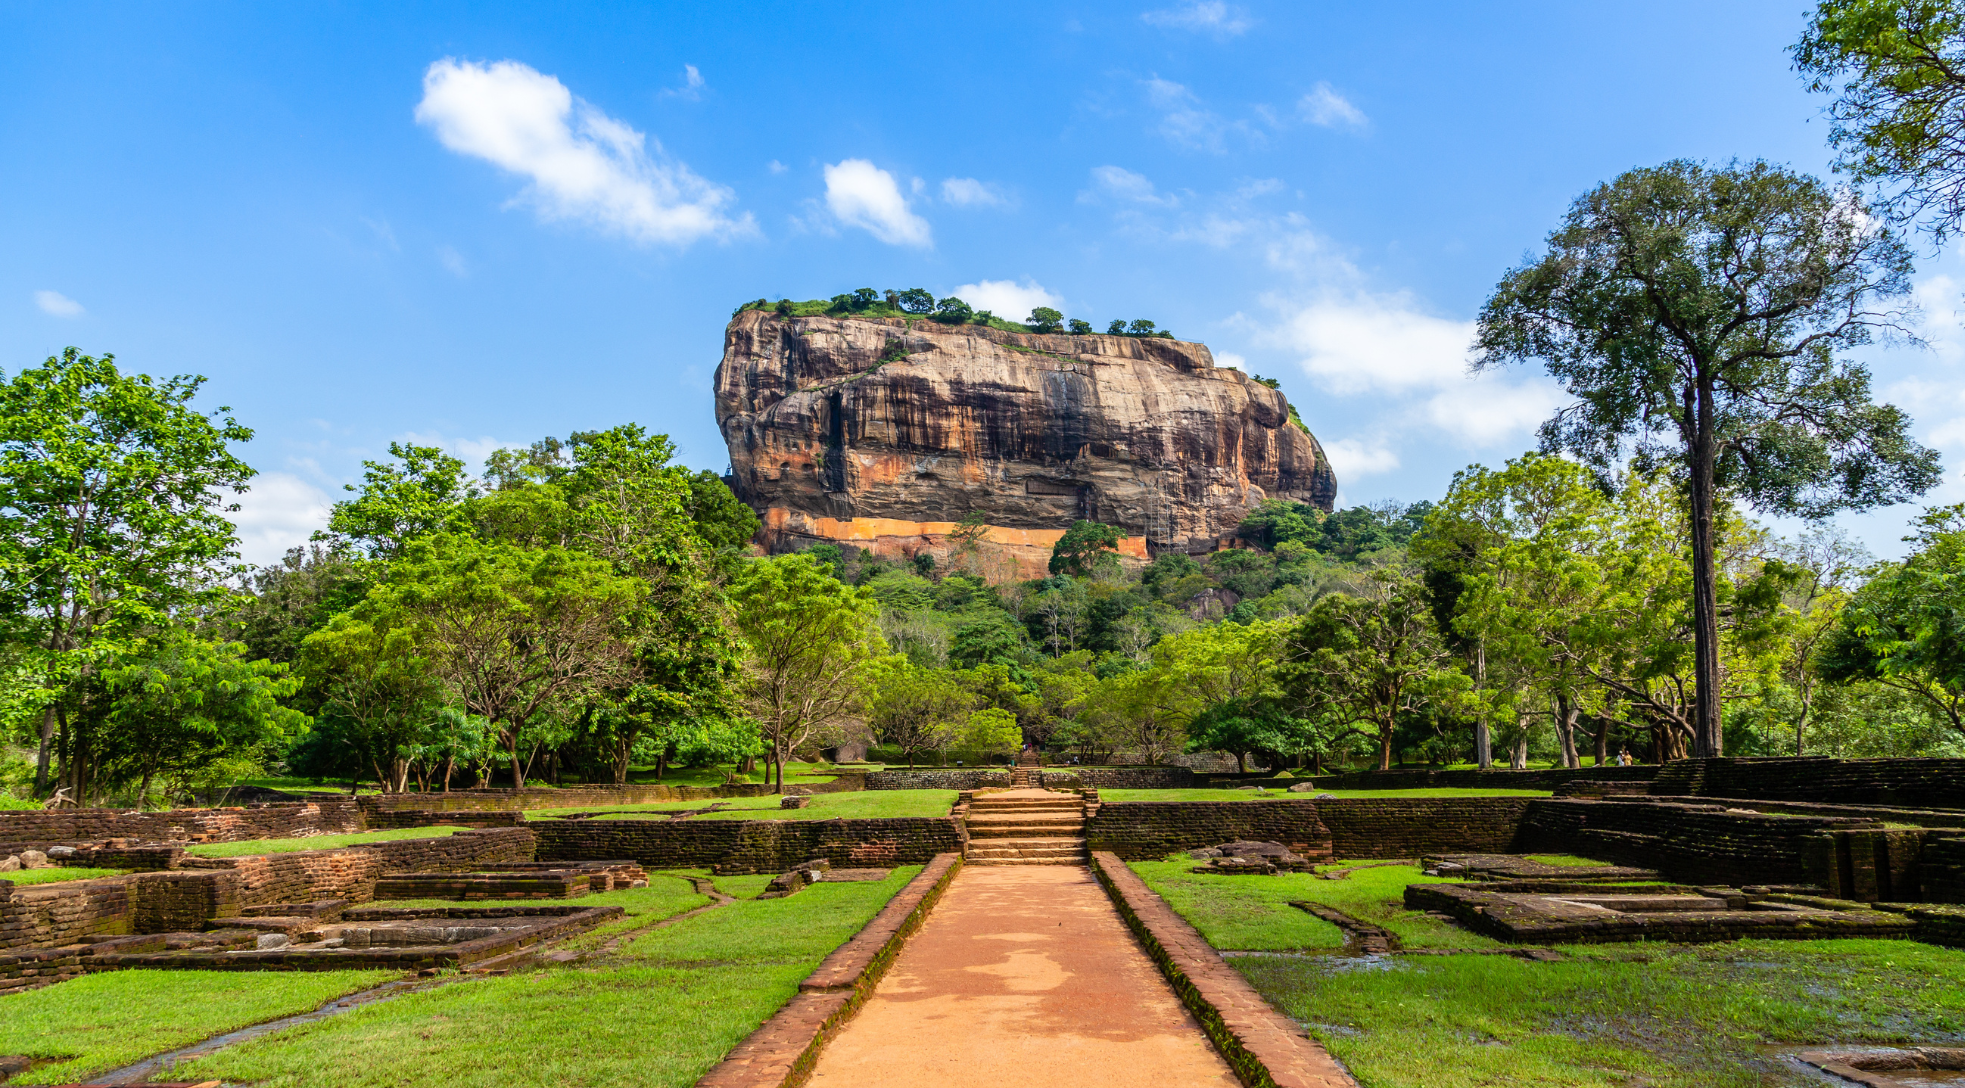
[666, 896]
[21, 878]
[1567, 861]
[858, 805]
[1279, 794]
[313, 842]
[658, 1013]
[100, 1022]
[1253, 912]
[1663, 1016]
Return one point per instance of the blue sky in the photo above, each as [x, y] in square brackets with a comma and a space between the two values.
[474, 225]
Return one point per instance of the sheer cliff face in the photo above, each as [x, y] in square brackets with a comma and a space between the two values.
[1033, 431]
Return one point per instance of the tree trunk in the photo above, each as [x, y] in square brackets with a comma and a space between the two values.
[1566, 714]
[1706, 722]
[47, 749]
[1241, 763]
[143, 791]
[1518, 758]
[449, 764]
[1603, 739]
[512, 750]
[779, 758]
[1385, 745]
[1483, 745]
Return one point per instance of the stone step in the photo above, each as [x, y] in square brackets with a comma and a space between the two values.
[985, 803]
[1025, 861]
[1074, 829]
[1027, 848]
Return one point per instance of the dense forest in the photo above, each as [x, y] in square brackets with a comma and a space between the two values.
[586, 608]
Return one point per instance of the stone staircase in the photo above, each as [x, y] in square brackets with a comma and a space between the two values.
[1026, 827]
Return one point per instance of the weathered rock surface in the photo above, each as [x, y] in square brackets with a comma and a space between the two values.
[828, 442]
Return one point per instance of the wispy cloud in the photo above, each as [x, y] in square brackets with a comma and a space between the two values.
[970, 193]
[860, 194]
[1120, 184]
[1324, 106]
[453, 262]
[1214, 17]
[692, 85]
[1186, 122]
[582, 164]
[1352, 458]
[56, 304]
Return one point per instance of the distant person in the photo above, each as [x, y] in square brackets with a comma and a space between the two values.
[1624, 757]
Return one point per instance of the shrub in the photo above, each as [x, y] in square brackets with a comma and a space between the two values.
[915, 301]
[1045, 319]
[952, 311]
[1080, 328]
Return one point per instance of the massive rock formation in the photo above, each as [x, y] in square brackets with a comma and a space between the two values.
[887, 431]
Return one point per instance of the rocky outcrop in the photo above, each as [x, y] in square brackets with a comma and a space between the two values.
[887, 431]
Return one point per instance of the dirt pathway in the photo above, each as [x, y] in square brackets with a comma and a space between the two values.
[1022, 975]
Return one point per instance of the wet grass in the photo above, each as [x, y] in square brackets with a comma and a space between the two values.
[22, 878]
[1662, 1016]
[658, 1013]
[102, 1021]
[1284, 795]
[313, 842]
[666, 896]
[1253, 912]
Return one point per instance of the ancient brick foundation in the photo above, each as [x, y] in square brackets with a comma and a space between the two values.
[1409, 827]
[1146, 830]
[936, 780]
[751, 846]
[40, 830]
[1695, 843]
[1120, 778]
[1909, 783]
[1546, 779]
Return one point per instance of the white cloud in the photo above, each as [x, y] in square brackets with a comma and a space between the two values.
[776, 167]
[1353, 343]
[453, 261]
[1230, 360]
[57, 304]
[1122, 184]
[1209, 16]
[861, 194]
[692, 85]
[968, 192]
[280, 512]
[471, 450]
[1007, 299]
[1324, 106]
[1351, 458]
[583, 164]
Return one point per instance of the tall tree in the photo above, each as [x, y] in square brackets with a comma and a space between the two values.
[915, 709]
[1905, 628]
[179, 703]
[1368, 662]
[520, 635]
[111, 514]
[1084, 547]
[1695, 314]
[1896, 69]
[811, 638]
[375, 685]
[428, 492]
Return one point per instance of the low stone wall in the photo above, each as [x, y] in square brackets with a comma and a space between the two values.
[1909, 783]
[1409, 827]
[386, 819]
[1147, 830]
[40, 830]
[1701, 843]
[1121, 778]
[1546, 779]
[183, 901]
[936, 780]
[526, 800]
[750, 846]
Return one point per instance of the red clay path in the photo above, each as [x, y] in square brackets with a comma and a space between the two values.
[1022, 975]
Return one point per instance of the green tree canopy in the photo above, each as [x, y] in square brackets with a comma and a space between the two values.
[180, 703]
[112, 516]
[425, 493]
[1896, 69]
[1083, 546]
[1905, 628]
[1695, 315]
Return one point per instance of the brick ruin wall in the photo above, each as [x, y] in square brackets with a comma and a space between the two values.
[525, 800]
[1695, 843]
[184, 899]
[936, 780]
[1545, 779]
[1906, 783]
[1121, 778]
[1335, 829]
[750, 846]
[40, 830]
